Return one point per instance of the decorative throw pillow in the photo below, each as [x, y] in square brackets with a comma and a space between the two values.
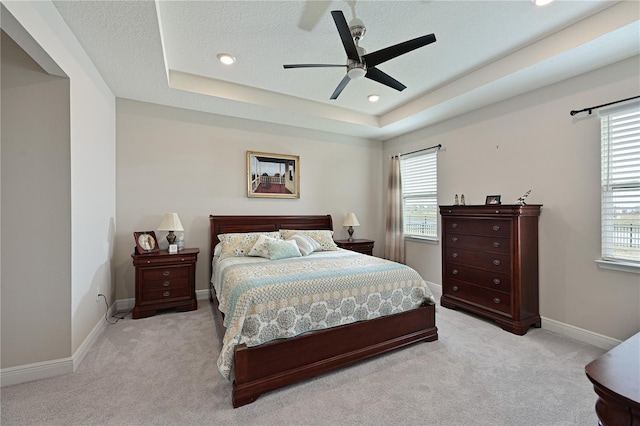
[260, 248]
[279, 249]
[239, 244]
[306, 244]
[323, 237]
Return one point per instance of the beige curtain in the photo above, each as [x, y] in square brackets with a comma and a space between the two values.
[394, 235]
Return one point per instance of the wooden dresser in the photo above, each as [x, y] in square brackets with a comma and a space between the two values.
[164, 281]
[490, 263]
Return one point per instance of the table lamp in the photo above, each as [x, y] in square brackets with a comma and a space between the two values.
[351, 220]
[170, 222]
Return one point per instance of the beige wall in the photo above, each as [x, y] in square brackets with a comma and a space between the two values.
[36, 211]
[192, 163]
[531, 142]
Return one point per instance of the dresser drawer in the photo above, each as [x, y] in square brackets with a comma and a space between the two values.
[164, 295]
[483, 297]
[496, 228]
[494, 262]
[488, 279]
[482, 243]
[165, 273]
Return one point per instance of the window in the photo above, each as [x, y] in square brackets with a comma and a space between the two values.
[419, 173]
[620, 174]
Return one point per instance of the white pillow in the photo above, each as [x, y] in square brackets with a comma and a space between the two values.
[306, 244]
[280, 249]
[260, 248]
[323, 237]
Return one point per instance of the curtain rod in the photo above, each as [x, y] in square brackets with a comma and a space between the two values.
[574, 112]
[419, 150]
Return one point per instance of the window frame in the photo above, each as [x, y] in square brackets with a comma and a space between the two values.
[430, 193]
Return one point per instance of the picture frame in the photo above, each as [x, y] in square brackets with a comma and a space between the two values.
[492, 200]
[146, 242]
[273, 175]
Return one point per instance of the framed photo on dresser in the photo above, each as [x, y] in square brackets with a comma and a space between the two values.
[492, 199]
[146, 242]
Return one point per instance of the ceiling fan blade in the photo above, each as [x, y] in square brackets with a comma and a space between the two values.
[312, 66]
[341, 87]
[379, 56]
[376, 75]
[345, 35]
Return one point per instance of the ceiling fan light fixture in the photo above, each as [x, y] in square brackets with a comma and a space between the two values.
[373, 98]
[226, 58]
[356, 73]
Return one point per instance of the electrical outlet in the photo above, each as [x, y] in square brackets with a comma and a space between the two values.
[98, 295]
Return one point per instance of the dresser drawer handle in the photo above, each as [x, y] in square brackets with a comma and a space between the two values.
[455, 272]
[496, 227]
[455, 288]
[166, 273]
[454, 239]
[454, 225]
[496, 244]
[166, 293]
[166, 283]
[496, 262]
[454, 255]
[496, 281]
[496, 300]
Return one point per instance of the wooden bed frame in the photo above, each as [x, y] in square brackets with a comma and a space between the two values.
[283, 362]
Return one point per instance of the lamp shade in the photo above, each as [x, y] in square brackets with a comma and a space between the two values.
[170, 222]
[351, 220]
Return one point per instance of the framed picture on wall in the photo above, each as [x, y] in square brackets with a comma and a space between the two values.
[146, 242]
[273, 175]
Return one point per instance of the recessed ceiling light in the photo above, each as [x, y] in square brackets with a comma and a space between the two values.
[226, 59]
[541, 2]
[373, 98]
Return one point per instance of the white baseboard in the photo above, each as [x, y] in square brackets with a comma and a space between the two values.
[46, 369]
[580, 334]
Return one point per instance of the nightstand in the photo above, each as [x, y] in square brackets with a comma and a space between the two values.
[360, 245]
[165, 281]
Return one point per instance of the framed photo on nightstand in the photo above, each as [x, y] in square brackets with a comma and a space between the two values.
[146, 242]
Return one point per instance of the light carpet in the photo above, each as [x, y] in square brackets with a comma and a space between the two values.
[162, 370]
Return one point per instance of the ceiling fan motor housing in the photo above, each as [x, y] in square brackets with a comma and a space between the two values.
[357, 28]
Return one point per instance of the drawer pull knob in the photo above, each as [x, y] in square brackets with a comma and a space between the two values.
[496, 300]
[454, 255]
[496, 262]
[455, 272]
[455, 288]
[166, 293]
[496, 281]
[454, 239]
[166, 273]
[454, 225]
[496, 227]
[496, 244]
[166, 283]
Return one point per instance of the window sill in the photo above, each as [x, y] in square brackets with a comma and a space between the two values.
[421, 239]
[632, 268]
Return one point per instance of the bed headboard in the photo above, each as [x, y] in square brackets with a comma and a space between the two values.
[229, 224]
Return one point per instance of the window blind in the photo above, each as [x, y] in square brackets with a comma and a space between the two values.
[620, 172]
[419, 173]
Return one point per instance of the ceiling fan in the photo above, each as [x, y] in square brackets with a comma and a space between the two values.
[359, 62]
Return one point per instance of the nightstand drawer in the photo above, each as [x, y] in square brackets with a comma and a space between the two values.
[168, 284]
[161, 295]
[168, 272]
[485, 298]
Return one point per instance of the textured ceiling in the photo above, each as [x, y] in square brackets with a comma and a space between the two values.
[165, 52]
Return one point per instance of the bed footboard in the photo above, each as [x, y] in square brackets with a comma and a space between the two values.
[277, 364]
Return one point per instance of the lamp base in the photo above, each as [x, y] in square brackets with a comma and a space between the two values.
[350, 231]
[171, 237]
